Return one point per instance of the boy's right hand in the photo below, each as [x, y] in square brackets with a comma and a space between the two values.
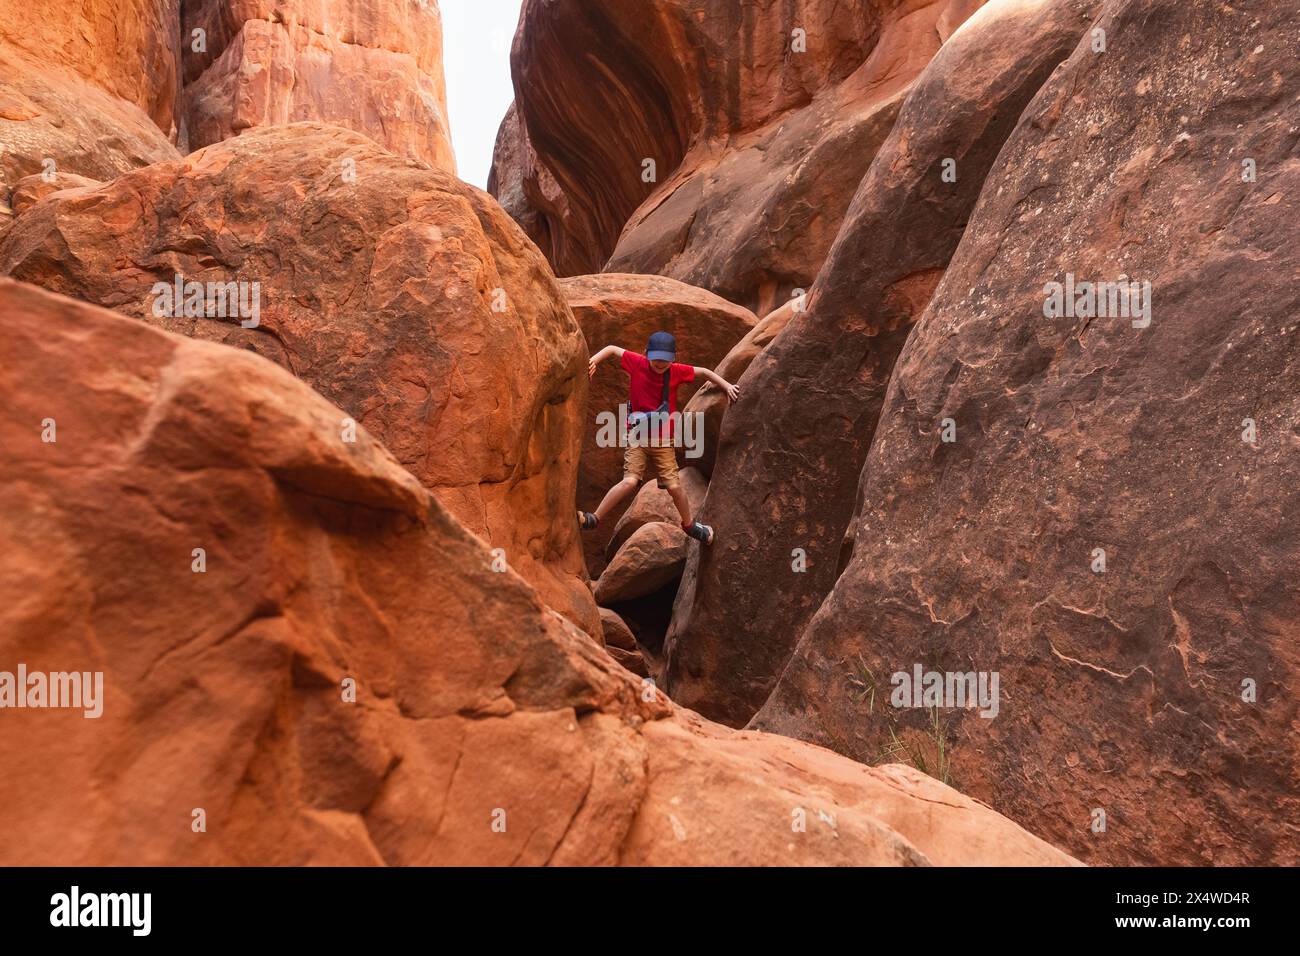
[591, 368]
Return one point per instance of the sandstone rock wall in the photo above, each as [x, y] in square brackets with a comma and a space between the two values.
[1106, 530]
[54, 123]
[374, 66]
[111, 85]
[88, 89]
[129, 49]
[760, 119]
[928, 468]
[789, 456]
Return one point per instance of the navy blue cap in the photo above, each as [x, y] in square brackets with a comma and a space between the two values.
[662, 347]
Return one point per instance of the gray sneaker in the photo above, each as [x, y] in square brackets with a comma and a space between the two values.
[702, 533]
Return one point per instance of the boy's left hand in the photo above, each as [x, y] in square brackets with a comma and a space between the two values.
[733, 391]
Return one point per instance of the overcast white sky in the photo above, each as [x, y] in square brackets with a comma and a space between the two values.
[476, 36]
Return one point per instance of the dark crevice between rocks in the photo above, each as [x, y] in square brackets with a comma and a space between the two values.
[648, 618]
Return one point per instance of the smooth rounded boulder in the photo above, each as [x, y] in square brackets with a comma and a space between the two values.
[406, 297]
[616, 632]
[652, 556]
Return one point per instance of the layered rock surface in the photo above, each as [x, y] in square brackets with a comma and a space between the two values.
[788, 460]
[275, 570]
[374, 66]
[760, 118]
[127, 49]
[1114, 528]
[404, 296]
[514, 172]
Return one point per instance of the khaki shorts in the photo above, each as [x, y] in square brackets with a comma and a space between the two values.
[664, 460]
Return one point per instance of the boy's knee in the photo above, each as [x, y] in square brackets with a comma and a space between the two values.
[630, 483]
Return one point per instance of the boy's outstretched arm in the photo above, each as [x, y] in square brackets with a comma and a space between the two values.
[600, 356]
[732, 391]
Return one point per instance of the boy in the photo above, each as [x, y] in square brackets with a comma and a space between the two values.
[653, 393]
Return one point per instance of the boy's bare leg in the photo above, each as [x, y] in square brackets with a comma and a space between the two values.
[616, 496]
[683, 504]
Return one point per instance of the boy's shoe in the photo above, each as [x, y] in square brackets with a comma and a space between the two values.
[700, 532]
[587, 521]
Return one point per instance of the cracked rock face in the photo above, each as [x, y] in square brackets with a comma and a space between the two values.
[197, 532]
[405, 297]
[374, 66]
[760, 118]
[1162, 689]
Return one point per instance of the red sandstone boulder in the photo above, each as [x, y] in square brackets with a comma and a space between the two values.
[405, 296]
[310, 657]
[631, 661]
[652, 557]
[615, 631]
[785, 482]
[30, 190]
[1115, 526]
[624, 311]
[374, 66]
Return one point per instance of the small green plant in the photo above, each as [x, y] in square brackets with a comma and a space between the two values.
[935, 744]
[939, 734]
[861, 678]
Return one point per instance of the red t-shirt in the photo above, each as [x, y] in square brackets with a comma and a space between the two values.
[646, 391]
